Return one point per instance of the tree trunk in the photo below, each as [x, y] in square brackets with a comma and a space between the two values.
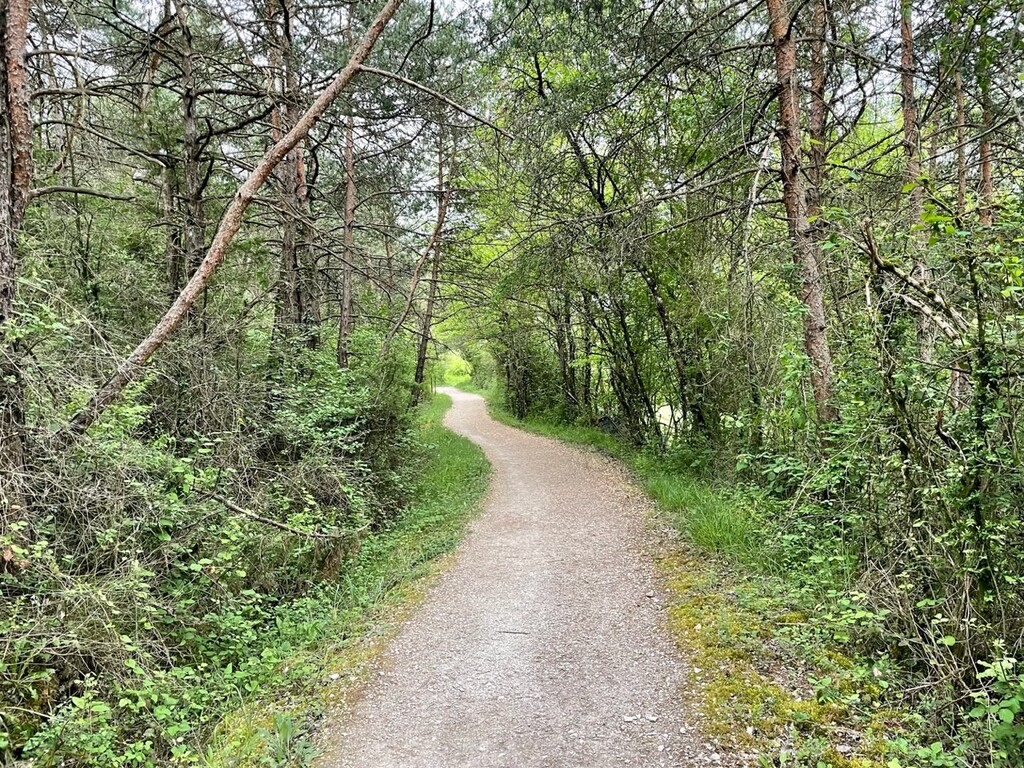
[432, 245]
[349, 255]
[912, 175]
[305, 275]
[195, 215]
[435, 273]
[15, 183]
[637, 391]
[806, 250]
[588, 351]
[689, 400]
[554, 310]
[172, 245]
[131, 369]
[987, 190]
[305, 259]
[816, 118]
[961, 145]
[573, 400]
[428, 321]
[911, 138]
[288, 310]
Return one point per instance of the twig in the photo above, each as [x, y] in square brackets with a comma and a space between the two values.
[440, 96]
[40, 191]
[283, 526]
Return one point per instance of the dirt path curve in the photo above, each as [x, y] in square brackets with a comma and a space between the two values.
[540, 646]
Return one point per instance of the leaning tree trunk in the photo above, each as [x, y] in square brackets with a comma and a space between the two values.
[131, 369]
[15, 183]
[806, 250]
[427, 324]
[443, 191]
[689, 398]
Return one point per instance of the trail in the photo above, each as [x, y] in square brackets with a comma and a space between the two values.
[543, 644]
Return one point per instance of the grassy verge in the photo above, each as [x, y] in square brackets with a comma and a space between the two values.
[768, 623]
[332, 636]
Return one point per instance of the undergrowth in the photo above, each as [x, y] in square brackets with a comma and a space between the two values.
[218, 643]
[352, 619]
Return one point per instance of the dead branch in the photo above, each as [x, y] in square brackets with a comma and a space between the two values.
[229, 504]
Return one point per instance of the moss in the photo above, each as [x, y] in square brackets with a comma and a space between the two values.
[743, 707]
[838, 760]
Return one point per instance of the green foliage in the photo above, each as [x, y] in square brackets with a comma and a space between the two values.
[456, 371]
[164, 610]
[999, 706]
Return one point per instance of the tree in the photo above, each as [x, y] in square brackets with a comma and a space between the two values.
[807, 253]
[15, 184]
[132, 367]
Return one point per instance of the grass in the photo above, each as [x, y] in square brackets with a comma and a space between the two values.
[345, 624]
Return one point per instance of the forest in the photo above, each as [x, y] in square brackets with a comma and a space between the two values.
[768, 253]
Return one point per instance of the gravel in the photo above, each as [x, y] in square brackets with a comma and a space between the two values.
[543, 644]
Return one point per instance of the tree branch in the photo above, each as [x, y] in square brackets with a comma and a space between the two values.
[226, 502]
[40, 191]
[441, 97]
[131, 369]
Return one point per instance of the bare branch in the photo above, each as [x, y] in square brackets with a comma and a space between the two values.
[40, 191]
[439, 96]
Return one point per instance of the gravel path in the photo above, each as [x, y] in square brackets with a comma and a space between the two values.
[543, 644]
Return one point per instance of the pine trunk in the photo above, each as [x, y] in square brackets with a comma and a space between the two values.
[15, 184]
[806, 249]
[345, 318]
[912, 176]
